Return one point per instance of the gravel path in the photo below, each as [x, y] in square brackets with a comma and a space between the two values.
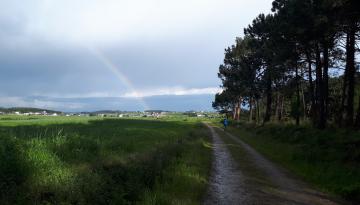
[232, 183]
[226, 181]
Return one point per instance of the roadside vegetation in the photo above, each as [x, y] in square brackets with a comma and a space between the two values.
[74, 160]
[320, 157]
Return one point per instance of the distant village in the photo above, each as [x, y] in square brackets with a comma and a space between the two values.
[105, 113]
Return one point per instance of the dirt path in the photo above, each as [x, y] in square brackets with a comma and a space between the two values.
[254, 180]
[226, 182]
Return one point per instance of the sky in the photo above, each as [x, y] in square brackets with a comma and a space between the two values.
[84, 55]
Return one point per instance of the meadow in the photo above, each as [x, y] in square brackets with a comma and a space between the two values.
[90, 160]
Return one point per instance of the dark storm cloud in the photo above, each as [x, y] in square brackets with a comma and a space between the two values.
[52, 70]
[49, 69]
[45, 48]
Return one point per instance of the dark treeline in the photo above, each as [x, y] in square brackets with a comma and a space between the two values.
[285, 65]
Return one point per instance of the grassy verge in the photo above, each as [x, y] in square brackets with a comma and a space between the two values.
[329, 159]
[98, 161]
[185, 180]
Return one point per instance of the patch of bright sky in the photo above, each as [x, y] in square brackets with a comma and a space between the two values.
[94, 21]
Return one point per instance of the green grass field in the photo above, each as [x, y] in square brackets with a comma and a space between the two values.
[89, 160]
[328, 159]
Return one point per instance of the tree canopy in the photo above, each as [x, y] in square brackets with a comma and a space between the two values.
[283, 67]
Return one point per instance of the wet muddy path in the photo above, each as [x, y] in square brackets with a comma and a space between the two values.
[226, 182]
[252, 179]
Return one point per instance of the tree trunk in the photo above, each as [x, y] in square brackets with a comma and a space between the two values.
[277, 107]
[268, 99]
[311, 85]
[257, 111]
[349, 79]
[302, 94]
[297, 96]
[281, 108]
[357, 120]
[344, 94]
[326, 79]
[250, 110]
[239, 109]
[321, 120]
[234, 112]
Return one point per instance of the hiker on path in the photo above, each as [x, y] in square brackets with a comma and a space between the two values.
[225, 122]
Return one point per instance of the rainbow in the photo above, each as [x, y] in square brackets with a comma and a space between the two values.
[119, 75]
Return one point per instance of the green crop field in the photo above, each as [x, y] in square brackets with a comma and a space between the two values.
[90, 160]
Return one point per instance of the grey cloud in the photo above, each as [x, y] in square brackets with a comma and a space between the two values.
[48, 70]
[33, 64]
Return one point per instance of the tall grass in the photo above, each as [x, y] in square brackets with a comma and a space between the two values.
[97, 162]
[329, 159]
[185, 180]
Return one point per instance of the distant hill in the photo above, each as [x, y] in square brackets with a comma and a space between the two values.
[156, 111]
[26, 109]
[106, 111]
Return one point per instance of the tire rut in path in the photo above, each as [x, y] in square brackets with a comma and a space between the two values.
[229, 185]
